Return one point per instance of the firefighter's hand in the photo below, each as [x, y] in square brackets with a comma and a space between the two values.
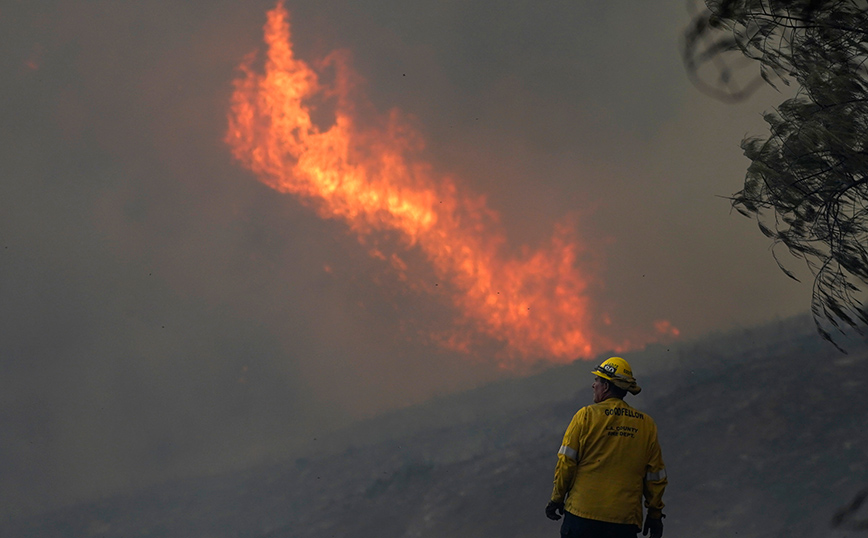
[553, 509]
[655, 525]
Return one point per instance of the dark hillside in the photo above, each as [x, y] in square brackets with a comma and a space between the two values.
[763, 432]
[771, 446]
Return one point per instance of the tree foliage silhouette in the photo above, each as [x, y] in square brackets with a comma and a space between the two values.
[807, 184]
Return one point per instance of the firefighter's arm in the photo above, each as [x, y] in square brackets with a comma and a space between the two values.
[568, 458]
[655, 480]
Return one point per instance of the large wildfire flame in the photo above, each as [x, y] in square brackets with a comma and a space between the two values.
[372, 178]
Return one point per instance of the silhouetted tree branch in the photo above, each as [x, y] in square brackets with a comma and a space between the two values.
[806, 184]
[845, 517]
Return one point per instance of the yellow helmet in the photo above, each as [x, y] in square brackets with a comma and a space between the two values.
[618, 371]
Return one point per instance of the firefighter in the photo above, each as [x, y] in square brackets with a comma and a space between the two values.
[608, 461]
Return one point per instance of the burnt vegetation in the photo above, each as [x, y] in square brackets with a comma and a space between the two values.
[763, 432]
[806, 182]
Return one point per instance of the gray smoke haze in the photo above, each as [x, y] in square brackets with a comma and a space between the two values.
[162, 313]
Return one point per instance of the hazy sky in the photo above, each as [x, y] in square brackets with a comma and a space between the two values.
[162, 311]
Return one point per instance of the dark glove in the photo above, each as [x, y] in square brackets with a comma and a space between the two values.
[553, 509]
[655, 525]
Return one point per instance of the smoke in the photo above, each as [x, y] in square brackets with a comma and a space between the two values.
[373, 179]
[162, 313]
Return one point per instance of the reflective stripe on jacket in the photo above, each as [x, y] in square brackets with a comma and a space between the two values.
[608, 461]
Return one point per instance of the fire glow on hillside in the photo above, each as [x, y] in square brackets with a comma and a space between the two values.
[370, 177]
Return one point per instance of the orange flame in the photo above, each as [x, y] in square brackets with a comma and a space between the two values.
[371, 178]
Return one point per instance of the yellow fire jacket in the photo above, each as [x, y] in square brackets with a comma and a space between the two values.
[609, 460]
